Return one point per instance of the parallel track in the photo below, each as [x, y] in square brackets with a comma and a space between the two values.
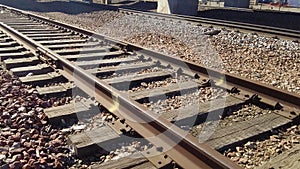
[188, 153]
[272, 31]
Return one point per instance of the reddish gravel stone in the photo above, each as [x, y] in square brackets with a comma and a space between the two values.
[17, 151]
[24, 130]
[15, 137]
[6, 134]
[26, 166]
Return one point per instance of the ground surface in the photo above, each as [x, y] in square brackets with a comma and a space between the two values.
[272, 61]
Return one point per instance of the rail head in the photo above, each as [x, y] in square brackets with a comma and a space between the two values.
[186, 150]
[264, 90]
[196, 155]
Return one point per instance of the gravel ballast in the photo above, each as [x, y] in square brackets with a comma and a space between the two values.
[268, 60]
[26, 138]
[255, 153]
[91, 21]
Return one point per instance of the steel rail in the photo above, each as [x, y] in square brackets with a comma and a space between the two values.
[104, 95]
[270, 92]
[185, 150]
[266, 91]
[232, 24]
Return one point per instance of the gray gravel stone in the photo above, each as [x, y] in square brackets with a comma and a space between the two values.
[268, 60]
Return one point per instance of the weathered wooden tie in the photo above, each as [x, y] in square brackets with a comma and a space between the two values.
[287, 160]
[121, 68]
[236, 133]
[28, 61]
[145, 77]
[162, 92]
[107, 61]
[80, 110]
[51, 90]
[65, 41]
[40, 78]
[36, 69]
[16, 54]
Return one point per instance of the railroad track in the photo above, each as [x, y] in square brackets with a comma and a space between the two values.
[265, 30]
[57, 58]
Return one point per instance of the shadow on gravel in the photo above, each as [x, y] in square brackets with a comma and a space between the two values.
[72, 7]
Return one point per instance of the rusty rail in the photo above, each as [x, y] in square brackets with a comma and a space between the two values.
[266, 91]
[185, 150]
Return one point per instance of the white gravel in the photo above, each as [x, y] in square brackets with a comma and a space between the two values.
[268, 60]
